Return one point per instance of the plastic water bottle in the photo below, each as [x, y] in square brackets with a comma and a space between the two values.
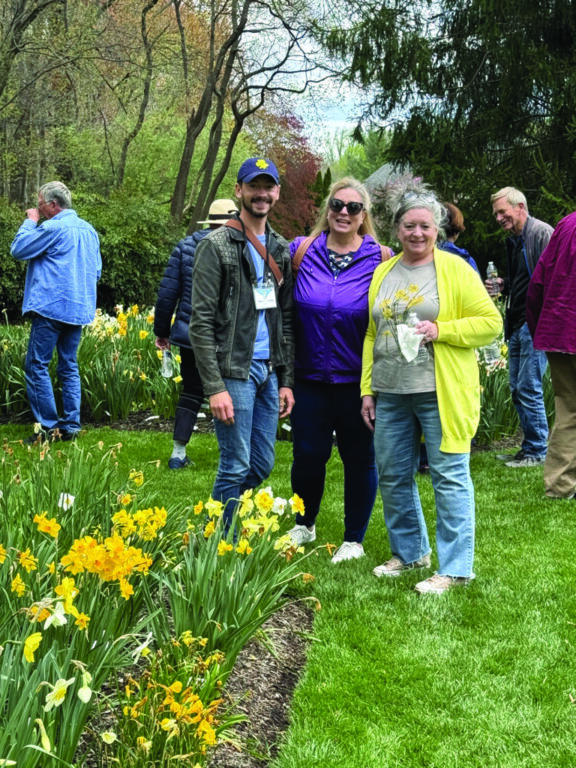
[423, 355]
[492, 276]
[491, 353]
[167, 367]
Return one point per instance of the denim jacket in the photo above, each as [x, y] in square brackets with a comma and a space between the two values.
[224, 316]
[64, 267]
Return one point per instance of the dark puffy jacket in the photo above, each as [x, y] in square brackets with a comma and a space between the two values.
[176, 291]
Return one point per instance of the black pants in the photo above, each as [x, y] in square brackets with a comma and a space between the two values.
[191, 397]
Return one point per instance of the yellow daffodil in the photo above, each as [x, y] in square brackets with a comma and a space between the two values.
[214, 508]
[2, 554]
[126, 589]
[31, 646]
[137, 477]
[243, 547]
[209, 529]
[28, 561]
[125, 499]
[198, 508]
[82, 621]
[47, 526]
[143, 334]
[18, 585]
[38, 613]
[68, 591]
[177, 379]
[224, 547]
[150, 319]
[297, 504]
[108, 737]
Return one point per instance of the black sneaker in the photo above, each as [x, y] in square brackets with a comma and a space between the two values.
[508, 456]
[36, 439]
[67, 436]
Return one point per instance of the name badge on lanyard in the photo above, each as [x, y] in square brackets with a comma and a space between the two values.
[264, 295]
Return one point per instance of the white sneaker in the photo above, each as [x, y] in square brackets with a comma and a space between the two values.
[300, 534]
[350, 550]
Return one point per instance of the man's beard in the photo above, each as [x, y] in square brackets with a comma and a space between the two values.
[248, 205]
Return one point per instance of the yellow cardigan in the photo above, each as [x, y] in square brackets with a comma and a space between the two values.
[467, 318]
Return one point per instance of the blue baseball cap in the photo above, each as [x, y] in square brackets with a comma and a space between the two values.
[257, 166]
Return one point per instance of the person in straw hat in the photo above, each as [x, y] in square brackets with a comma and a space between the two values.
[175, 295]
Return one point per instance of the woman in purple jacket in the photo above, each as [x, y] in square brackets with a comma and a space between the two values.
[331, 317]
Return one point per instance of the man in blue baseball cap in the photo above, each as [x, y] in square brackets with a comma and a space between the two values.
[242, 333]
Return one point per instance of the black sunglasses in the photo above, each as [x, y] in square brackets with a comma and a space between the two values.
[337, 205]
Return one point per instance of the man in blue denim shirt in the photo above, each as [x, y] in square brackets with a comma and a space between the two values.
[60, 296]
[526, 365]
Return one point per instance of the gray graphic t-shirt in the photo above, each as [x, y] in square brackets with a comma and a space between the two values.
[404, 290]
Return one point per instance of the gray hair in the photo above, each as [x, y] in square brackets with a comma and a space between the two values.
[410, 194]
[348, 182]
[57, 192]
[513, 196]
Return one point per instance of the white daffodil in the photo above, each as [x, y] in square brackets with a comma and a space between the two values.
[57, 617]
[58, 693]
[65, 501]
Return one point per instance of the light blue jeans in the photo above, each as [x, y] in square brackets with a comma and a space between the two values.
[400, 421]
[526, 367]
[45, 336]
[247, 446]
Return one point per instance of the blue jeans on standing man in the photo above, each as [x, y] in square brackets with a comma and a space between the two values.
[247, 446]
[319, 411]
[45, 336]
[400, 421]
[526, 367]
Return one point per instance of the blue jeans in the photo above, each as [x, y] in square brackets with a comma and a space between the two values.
[400, 419]
[321, 410]
[526, 367]
[45, 336]
[247, 446]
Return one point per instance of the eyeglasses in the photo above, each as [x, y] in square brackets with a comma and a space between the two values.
[337, 205]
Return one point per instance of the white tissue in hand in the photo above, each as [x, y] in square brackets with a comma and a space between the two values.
[409, 341]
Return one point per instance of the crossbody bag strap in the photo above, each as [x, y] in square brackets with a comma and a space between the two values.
[299, 255]
[275, 269]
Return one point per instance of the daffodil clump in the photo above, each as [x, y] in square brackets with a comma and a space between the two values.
[174, 710]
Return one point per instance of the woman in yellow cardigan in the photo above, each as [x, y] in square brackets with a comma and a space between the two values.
[428, 313]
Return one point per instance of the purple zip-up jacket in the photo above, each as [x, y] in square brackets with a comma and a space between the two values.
[331, 314]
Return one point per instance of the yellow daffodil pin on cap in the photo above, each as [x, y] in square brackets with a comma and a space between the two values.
[257, 166]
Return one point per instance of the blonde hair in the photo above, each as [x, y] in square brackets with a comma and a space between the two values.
[348, 182]
[513, 196]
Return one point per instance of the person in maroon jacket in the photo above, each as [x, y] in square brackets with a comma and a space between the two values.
[551, 318]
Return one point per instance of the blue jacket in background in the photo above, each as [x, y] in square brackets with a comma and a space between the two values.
[64, 266]
[452, 248]
[331, 314]
[175, 292]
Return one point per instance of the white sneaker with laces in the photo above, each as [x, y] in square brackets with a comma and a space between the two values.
[350, 550]
[395, 566]
[437, 584]
[300, 534]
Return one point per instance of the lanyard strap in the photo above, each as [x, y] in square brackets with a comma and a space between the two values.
[275, 269]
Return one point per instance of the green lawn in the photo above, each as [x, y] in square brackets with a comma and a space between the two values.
[481, 676]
